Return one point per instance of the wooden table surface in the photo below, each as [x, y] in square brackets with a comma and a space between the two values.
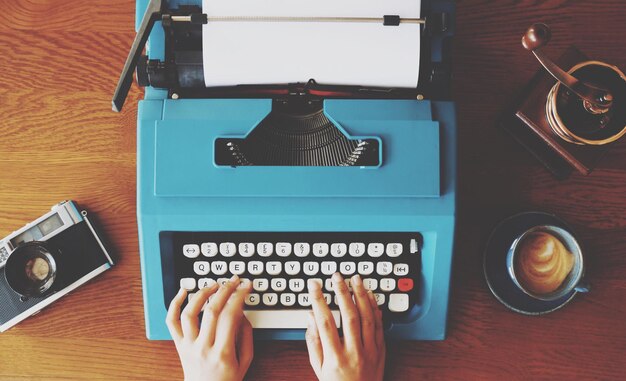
[60, 62]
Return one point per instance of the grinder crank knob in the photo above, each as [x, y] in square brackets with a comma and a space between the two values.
[537, 36]
[598, 100]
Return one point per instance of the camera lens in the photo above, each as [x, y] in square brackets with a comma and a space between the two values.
[31, 269]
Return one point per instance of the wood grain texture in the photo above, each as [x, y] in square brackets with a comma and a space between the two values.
[59, 63]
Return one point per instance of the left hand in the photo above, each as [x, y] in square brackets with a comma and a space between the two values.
[221, 348]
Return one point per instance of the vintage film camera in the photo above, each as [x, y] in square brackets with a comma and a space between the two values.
[46, 259]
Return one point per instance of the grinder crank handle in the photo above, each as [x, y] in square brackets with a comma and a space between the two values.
[538, 36]
[153, 13]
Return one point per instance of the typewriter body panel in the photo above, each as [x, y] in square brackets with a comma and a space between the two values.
[181, 188]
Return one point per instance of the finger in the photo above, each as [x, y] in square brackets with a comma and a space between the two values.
[380, 329]
[350, 319]
[189, 316]
[314, 346]
[245, 344]
[378, 321]
[214, 308]
[364, 306]
[172, 320]
[230, 319]
[326, 327]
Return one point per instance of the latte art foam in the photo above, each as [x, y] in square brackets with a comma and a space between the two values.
[542, 263]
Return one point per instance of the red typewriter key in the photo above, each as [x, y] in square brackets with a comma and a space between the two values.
[405, 284]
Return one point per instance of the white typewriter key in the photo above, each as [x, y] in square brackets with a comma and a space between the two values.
[265, 249]
[349, 284]
[201, 267]
[205, 282]
[328, 298]
[283, 249]
[279, 284]
[219, 267]
[387, 284]
[370, 284]
[222, 281]
[311, 268]
[296, 285]
[191, 250]
[356, 249]
[394, 249]
[400, 269]
[301, 249]
[414, 247]
[209, 249]
[329, 285]
[303, 300]
[287, 299]
[384, 268]
[273, 267]
[398, 302]
[260, 284]
[329, 268]
[237, 267]
[255, 267]
[246, 249]
[320, 249]
[375, 249]
[252, 300]
[365, 268]
[270, 299]
[292, 267]
[228, 249]
[318, 280]
[188, 283]
[380, 299]
[338, 249]
[347, 268]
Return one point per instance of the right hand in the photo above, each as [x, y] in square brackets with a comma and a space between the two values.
[360, 354]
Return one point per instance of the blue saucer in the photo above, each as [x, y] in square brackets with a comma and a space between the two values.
[496, 272]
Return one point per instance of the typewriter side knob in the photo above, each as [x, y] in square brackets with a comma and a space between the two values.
[587, 105]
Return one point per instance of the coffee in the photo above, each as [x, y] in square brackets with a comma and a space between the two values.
[542, 263]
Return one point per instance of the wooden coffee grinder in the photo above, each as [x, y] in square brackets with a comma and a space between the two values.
[575, 113]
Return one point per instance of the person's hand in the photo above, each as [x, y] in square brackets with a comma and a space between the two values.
[219, 349]
[360, 354]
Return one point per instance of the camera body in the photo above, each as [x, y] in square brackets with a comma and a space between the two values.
[56, 253]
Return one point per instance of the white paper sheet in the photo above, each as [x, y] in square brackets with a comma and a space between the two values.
[345, 53]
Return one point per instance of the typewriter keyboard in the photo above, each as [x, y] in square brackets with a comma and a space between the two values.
[280, 264]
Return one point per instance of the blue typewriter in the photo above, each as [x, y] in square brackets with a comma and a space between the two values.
[261, 155]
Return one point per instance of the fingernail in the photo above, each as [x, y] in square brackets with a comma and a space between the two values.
[313, 285]
[356, 279]
[337, 277]
[234, 278]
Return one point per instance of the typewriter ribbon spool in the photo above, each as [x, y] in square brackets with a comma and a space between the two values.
[587, 105]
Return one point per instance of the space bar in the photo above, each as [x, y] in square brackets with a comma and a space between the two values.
[283, 319]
